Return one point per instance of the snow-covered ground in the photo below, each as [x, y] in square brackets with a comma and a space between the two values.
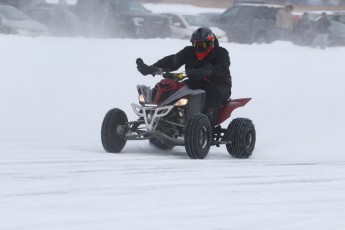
[54, 173]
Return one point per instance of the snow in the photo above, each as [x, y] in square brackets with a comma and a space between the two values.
[54, 173]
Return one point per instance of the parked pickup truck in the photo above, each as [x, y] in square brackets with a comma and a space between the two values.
[122, 18]
[249, 22]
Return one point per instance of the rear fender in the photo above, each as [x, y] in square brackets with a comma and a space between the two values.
[227, 108]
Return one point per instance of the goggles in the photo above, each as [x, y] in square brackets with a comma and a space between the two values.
[200, 45]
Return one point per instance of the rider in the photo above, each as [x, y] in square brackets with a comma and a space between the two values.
[207, 67]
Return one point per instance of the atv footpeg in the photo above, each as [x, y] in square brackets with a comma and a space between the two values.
[221, 136]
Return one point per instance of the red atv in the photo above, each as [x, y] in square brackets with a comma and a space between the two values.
[170, 115]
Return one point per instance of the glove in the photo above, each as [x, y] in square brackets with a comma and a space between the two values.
[145, 69]
[200, 73]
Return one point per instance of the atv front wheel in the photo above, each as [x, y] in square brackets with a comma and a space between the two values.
[198, 136]
[113, 131]
[243, 137]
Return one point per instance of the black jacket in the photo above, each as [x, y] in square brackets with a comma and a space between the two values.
[218, 58]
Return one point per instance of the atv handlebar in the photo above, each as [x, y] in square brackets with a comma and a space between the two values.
[164, 72]
[174, 76]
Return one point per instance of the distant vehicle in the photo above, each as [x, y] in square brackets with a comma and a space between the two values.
[337, 37]
[249, 22]
[122, 18]
[210, 15]
[23, 4]
[61, 22]
[14, 21]
[337, 16]
[183, 25]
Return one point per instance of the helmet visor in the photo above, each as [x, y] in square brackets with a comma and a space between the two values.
[200, 46]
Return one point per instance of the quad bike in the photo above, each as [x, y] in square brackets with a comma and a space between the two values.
[170, 115]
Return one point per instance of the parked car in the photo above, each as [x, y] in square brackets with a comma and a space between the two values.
[249, 22]
[122, 18]
[337, 36]
[338, 16]
[210, 15]
[60, 21]
[23, 4]
[14, 21]
[183, 25]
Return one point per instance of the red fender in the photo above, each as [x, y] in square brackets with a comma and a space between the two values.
[227, 108]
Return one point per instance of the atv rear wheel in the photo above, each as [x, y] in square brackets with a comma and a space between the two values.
[113, 131]
[159, 144]
[198, 136]
[243, 137]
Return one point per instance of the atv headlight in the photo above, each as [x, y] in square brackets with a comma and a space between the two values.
[141, 98]
[181, 102]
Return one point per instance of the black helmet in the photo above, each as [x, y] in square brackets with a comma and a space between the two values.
[203, 41]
